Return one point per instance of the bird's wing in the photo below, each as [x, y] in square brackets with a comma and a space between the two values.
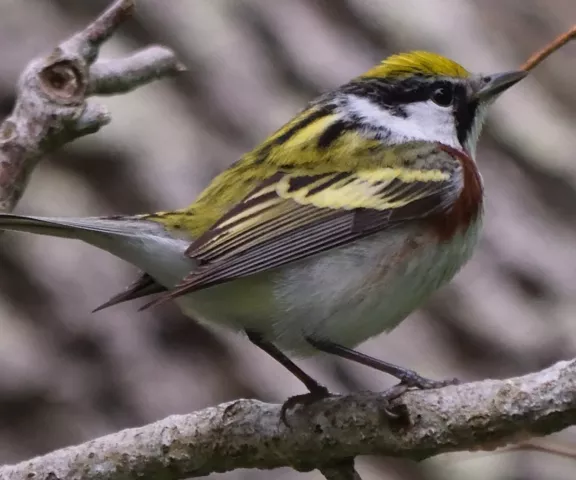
[292, 216]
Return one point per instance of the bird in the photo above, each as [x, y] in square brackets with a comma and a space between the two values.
[333, 229]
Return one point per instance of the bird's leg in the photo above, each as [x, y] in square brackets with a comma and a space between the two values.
[407, 377]
[317, 391]
[277, 355]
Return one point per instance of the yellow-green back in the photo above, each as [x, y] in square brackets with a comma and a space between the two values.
[293, 146]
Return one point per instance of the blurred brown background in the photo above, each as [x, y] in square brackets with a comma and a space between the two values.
[67, 375]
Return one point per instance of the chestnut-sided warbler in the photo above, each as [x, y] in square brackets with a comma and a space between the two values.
[333, 229]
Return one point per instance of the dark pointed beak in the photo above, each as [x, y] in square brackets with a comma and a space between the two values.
[495, 84]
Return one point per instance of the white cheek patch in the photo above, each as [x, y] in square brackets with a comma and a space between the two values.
[424, 121]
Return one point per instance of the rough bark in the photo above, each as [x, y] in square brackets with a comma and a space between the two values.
[250, 434]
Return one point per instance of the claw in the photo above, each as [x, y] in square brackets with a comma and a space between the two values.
[304, 399]
[390, 395]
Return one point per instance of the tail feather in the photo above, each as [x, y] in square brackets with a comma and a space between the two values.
[78, 228]
[143, 243]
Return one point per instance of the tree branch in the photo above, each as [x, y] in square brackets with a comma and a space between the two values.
[51, 108]
[249, 434]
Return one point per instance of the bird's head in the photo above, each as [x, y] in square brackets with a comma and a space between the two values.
[424, 96]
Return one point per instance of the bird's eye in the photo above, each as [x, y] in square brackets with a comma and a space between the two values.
[443, 96]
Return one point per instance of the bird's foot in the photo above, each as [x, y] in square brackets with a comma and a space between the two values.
[318, 393]
[413, 380]
[390, 395]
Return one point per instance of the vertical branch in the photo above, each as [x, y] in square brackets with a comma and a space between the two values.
[51, 106]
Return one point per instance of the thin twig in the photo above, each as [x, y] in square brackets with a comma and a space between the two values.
[539, 56]
[108, 22]
[111, 77]
[103, 27]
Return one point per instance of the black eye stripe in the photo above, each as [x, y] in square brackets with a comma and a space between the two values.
[411, 90]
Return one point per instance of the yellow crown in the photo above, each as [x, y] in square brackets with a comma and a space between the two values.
[417, 63]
